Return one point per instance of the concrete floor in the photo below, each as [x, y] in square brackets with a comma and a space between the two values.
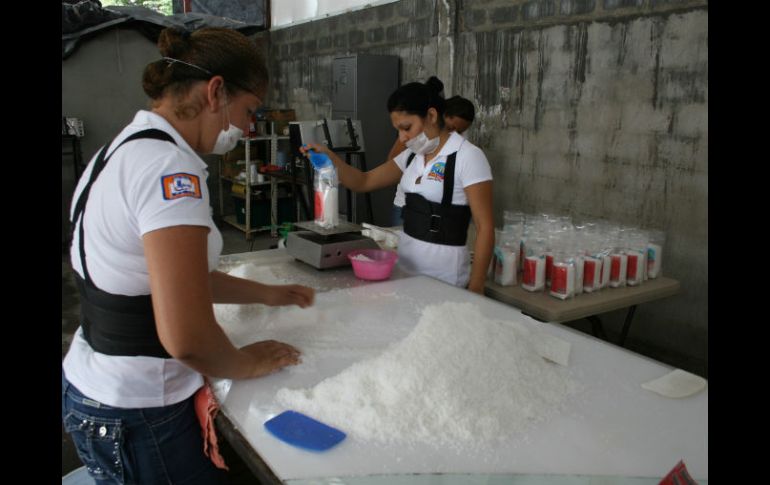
[234, 242]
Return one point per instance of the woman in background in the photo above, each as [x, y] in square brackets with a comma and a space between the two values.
[458, 116]
[446, 181]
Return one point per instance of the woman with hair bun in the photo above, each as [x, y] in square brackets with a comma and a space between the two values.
[144, 252]
[447, 181]
[458, 116]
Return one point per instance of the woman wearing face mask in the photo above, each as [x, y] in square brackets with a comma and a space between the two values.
[458, 116]
[446, 180]
[144, 252]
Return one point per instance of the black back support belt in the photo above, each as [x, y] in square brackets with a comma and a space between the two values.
[439, 223]
[115, 324]
[118, 324]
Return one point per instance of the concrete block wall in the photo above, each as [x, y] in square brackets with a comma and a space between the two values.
[604, 114]
[301, 56]
[592, 108]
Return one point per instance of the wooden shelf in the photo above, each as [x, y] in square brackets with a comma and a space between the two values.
[285, 177]
[234, 222]
[260, 195]
[249, 143]
[541, 305]
[243, 182]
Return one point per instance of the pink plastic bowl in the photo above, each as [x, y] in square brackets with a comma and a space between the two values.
[379, 269]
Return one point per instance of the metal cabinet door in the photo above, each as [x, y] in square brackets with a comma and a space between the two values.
[344, 84]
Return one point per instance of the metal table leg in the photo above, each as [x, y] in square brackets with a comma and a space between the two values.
[596, 327]
[627, 325]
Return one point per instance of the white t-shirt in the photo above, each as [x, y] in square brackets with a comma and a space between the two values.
[447, 263]
[146, 185]
[400, 199]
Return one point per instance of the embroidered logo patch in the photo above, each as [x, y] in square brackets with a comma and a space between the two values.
[178, 185]
[437, 172]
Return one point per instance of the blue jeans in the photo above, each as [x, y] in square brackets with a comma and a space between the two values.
[137, 446]
[396, 216]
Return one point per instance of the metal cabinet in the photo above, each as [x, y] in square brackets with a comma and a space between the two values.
[361, 85]
[344, 84]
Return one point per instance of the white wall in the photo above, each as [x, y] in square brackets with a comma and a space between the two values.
[291, 12]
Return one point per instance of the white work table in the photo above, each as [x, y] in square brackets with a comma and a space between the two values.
[611, 428]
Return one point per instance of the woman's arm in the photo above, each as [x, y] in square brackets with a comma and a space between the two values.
[184, 316]
[385, 175]
[480, 199]
[231, 289]
[397, 148]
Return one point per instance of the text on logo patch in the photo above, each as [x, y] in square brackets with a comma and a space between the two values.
[178, 185]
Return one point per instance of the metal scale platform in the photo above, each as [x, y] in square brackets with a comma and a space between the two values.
[327, 248]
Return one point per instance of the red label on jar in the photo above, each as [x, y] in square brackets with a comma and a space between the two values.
[530, 272]
[559, 279]
[632, 266]
[615, 268]
[589, 272]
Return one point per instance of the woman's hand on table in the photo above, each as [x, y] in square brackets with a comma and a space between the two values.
[271, 356]
[284, 295]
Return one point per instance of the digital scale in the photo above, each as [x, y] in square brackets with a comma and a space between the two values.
[327, 248]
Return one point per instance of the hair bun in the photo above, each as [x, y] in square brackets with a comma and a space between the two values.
[172, 42]
[435, 84]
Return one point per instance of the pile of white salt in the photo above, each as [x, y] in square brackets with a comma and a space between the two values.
[458, 380]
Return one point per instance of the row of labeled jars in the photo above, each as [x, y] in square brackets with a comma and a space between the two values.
[551, 253]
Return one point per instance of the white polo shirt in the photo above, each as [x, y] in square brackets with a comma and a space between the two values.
[146, 185]
[400, 199]
[447, 263]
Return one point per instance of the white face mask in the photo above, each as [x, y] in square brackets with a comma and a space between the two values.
[227, 139]
[421, 144]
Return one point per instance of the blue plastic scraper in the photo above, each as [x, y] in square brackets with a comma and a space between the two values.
[303, 431]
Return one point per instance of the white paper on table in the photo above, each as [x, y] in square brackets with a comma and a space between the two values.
[552, 348]
[676, 384]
